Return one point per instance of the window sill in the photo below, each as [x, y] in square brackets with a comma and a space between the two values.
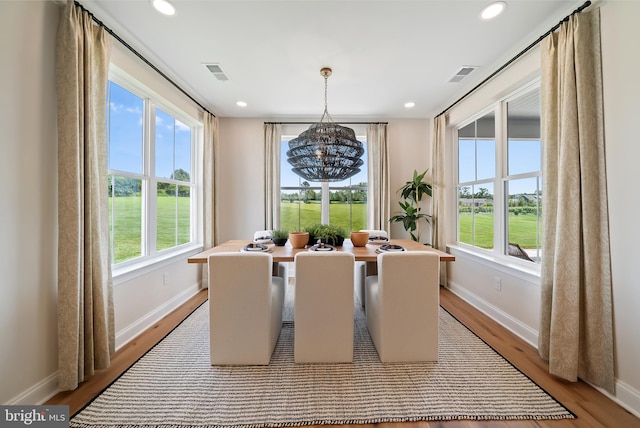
[505, 264]
[128, 272]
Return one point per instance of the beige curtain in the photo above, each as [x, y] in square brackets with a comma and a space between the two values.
[85, 302]
[272, 142]
[378, 176]
[576, 334]
[209, 182]
[438, 222]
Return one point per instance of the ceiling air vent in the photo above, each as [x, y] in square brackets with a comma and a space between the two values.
[217, 71]
[464, 71]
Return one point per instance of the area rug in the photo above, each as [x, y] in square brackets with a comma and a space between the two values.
[174, 385]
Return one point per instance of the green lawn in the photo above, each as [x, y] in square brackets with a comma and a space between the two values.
[522, 229]
[310, 213]
[127, 222]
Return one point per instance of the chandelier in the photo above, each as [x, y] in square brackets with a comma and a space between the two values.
[326, 151]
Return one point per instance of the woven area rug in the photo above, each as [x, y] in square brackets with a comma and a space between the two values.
[174, 385]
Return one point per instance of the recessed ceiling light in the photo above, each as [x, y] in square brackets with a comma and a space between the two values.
[241, 104]
[409, 105]
[164, 6]
[493, 10]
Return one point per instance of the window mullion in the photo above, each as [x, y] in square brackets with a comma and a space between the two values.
[499, 187]
[152, 188]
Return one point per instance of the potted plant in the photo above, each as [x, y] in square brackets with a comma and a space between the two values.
[329, 234]
[312, 230]
[279, 237]
[298, 239]
[412, 192]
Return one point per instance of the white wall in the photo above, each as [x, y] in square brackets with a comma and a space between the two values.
[409, 150]
[28, 218]
[518, 304]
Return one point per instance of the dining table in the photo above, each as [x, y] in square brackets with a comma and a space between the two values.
[369, 253]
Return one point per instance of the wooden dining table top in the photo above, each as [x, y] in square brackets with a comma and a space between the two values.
[287, 253]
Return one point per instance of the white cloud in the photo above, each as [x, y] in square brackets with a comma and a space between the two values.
[182, 127]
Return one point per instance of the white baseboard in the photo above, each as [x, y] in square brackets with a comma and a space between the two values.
[133, 330]
[626, 396]
[520, 329]
[38, 393]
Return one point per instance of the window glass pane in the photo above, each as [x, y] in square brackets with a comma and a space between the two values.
[465, 215]
[295, 215]
[173, 148]
[184, 215]
[173, 215]
[524, 220]
[125, 218]
[348, 207]
[166, 216]
[466, 160]
[486, 159]
[183, 151]
[477, 150]
[475, 215]
[524, 156]
[483, 215]
[523, 131]
[164, 144]
[124, 126]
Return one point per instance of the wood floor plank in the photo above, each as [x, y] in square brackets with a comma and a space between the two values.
[592, 408]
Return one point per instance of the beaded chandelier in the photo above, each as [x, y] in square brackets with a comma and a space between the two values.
[326, 151]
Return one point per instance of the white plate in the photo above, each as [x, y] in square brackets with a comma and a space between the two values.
[390, 250]
[257, 249]
[327, 248]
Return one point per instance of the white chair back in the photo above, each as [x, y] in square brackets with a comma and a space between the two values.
[245, 304]
[402, 305]
[323, 309]
[260, 235]
[376, 233]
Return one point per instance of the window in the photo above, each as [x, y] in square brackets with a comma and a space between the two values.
[151, 185]
[301, 201]
[476, 178]
[499, 179]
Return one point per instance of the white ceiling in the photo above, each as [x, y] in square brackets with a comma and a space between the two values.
[383, 53]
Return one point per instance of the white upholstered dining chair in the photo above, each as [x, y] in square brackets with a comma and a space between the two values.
[360, 271]
[245, 308]
[402, 305]
[373, 233]
[323, 307]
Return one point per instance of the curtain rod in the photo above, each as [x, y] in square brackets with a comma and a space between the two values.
[525, 50]
[136, 53]
[311, 123]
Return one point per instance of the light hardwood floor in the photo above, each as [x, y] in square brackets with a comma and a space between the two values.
[591, 407]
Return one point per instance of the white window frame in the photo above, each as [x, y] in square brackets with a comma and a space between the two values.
[152, 259]
[497, 255]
